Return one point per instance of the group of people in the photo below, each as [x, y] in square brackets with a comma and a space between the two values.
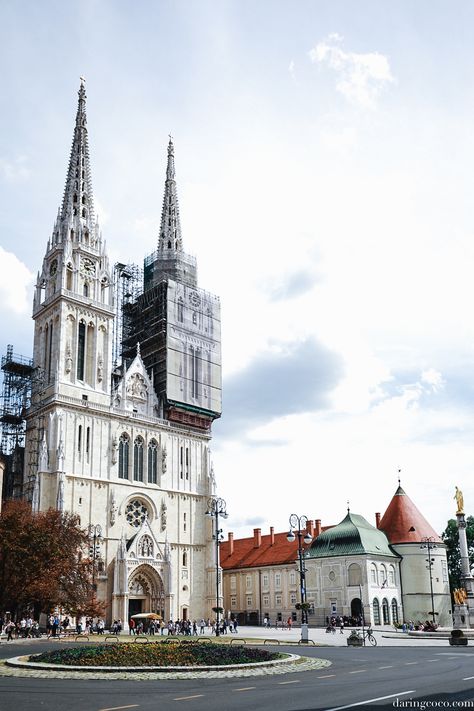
[279, 624]
[26, 628]
[426, 626]
[182, 627]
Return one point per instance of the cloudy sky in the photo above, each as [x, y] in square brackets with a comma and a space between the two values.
[325, 166]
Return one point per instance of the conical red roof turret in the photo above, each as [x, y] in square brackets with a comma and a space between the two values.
[403, 523]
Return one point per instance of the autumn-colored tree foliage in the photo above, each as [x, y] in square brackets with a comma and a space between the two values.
[41, 563]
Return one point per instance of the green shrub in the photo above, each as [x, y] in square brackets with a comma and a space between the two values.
[156, 654]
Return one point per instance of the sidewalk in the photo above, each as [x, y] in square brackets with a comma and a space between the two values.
[320, 636]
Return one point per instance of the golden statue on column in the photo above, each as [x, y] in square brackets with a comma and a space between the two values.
[459, 500]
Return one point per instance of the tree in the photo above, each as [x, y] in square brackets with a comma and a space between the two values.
[41, 562]
[451, 538]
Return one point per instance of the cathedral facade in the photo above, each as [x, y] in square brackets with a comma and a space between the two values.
[119, 427]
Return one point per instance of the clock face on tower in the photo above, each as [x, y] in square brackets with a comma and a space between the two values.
[87, 268]
[195, 299]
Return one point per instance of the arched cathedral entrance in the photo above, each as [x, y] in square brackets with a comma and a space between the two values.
[145, 592]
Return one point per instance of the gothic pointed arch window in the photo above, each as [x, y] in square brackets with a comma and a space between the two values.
[84, 213]
[169, 244]
[123, 458]
[180, 310]
[138, 459]
[153, 462]
[85, 289]
[81, 350]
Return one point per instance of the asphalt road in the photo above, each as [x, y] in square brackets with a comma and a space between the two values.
[372, 678]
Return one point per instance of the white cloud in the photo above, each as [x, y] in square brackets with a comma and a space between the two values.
[14, 171]
[361, 77]
[15, 279]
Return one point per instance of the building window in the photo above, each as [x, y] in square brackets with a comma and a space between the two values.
[354, 574]
[81, 350]
[385, 612]
[138, 459]
[233, 582]
[391, 576]
[233, 601]
[123, 456]
[444, 570]
[184, 522]
[373, 574]
[293, 598]
[265, 580]
[383, 576]
[278, 600]
[185, 559]
[180, 310]
[79, 440]
[152, 462]
[394, 611]
[248, 582]
[278, 581]
[249, 601]
[376, 610]
[266, 600]
[292, 578]
[136, 512]
[88, 442]
[187, 462]
[181, 462]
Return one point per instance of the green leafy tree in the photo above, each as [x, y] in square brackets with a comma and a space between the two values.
[42, 563]
[450, 537]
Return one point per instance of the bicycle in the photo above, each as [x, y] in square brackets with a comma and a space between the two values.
[369, 636]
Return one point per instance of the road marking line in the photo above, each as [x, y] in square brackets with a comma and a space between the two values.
[281, 683]
[246, 688]
[408, 663]
[390, 666]
[433, 660]
[370, 701]
[467, 678]
[358, 671]
[185, 698]
[116, 708]
[325, 676]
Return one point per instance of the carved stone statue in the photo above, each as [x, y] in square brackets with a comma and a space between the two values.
[68, 362]
[164, 509]
[113, 508]
[100, 368]
[136, 387]
[459, 501]
[163, 460]
[114, 447]
[43, 457]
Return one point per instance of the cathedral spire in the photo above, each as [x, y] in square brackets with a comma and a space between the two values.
[170, 231]
[77, 211]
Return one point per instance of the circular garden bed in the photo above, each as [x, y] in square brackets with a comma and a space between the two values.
[157, 655]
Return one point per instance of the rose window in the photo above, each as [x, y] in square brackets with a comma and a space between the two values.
[136, 512]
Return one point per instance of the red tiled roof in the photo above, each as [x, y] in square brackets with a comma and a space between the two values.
[403, 523]
[247, 555]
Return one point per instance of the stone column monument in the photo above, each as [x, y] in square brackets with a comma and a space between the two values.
[463, 614]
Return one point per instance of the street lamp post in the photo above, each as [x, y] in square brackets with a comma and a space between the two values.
[217, 507]
[298, 527]
[428, 544]
[95, 536]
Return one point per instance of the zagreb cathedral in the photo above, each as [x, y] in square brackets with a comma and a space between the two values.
[131, 381]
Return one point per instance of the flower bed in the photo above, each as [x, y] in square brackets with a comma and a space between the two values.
[157, 655]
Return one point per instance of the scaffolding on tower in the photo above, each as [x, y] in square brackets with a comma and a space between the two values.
[128, 285]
